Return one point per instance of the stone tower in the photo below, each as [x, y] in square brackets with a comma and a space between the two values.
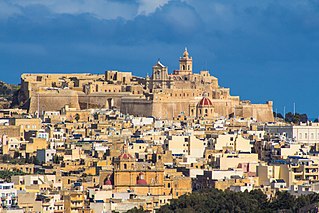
[185, 64]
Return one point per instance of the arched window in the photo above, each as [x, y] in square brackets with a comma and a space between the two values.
[183, 67]
[125, 166]
[206, 111]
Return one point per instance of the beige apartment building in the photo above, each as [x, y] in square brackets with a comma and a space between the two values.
[303, 171]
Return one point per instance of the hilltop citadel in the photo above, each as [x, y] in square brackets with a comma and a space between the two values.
[161, 95]
[102, 143]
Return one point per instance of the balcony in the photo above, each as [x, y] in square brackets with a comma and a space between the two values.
[312, 166]
[297, 173]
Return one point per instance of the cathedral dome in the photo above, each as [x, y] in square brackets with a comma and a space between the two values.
[125, 156]
[205, 102]
[108, 182]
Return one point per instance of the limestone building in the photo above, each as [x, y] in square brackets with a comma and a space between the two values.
[162, 95]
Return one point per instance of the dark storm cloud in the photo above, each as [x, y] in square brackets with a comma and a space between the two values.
[261, 49]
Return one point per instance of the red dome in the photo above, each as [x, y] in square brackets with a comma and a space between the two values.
[125, 156]
[108, 182]
[205, 102]
[141, 182]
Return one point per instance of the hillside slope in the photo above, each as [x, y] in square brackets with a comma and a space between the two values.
[7, 94]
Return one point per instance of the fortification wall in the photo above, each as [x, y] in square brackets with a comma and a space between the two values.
[53, 100]
[261, 112]
[101, 100]
[223, 107]
[137, 107]
[172, 108]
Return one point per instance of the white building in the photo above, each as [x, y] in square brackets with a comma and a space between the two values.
[181, 145]
[234, 141]
[238, 188]
[8, 194]
[42, 134]
[308, 134]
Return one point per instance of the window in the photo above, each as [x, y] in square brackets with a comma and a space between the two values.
[125, 166]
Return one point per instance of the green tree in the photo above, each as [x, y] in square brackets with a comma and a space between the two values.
[136, 210]
[296, 118]
[229, 201]
[6, 174]
[278, 115]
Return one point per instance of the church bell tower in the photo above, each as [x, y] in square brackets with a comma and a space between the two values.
[185, 64]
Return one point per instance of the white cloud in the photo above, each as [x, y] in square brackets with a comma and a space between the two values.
[101, 9]
[149, 6]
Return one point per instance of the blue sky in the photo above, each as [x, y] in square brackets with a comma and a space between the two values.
[261, 49]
